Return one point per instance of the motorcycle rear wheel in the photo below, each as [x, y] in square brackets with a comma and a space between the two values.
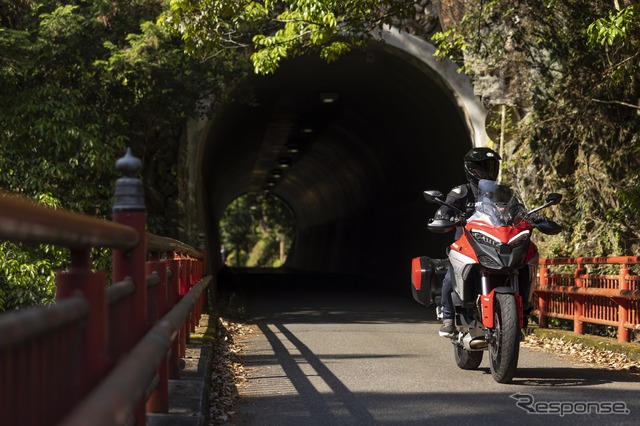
[504, 349]
[467, 360]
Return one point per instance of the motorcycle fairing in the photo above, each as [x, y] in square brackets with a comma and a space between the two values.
[461, 265]
[499, 247]
[486, 303]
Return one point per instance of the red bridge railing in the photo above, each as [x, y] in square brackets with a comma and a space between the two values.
[101, 354]
[611, 300]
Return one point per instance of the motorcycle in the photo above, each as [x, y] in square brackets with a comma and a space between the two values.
[493, 268]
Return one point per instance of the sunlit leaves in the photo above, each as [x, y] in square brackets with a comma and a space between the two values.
[450, 44]
[78, 84]
[619, 33]
[253, 229]
[27, 273]
[275, 30]
[571, 70]
[616, 28]
[60, 24]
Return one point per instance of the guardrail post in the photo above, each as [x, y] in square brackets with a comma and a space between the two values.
[173, 283]
[158, 402]
[623, 305]
[542, 297]
[93, 358]
[129, 209]
[578, 300]
[184, 288]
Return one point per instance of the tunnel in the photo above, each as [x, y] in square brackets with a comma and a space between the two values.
[349, 146]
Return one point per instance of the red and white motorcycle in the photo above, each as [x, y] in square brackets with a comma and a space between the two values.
[494, 266]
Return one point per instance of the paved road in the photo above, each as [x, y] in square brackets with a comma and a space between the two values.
[367, 358]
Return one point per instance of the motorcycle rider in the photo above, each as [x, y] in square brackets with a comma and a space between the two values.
[479, 163]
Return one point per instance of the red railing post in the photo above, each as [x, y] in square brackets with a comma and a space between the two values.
[623, 305]
[193, 280]
[542, 297]
[184, 288]
[199, 267]
[158, 402]
[129, 209]
[93, 356]
[173, 284]
[202, 270]
[578, 300]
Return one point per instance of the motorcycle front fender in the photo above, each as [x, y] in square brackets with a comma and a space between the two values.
[487, 304]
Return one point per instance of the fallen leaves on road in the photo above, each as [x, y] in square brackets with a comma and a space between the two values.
[582, 354]
[227, 373]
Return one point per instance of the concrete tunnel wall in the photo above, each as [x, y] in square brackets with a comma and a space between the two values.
[400, 123]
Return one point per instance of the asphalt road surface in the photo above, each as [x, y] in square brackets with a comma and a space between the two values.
[345, 356]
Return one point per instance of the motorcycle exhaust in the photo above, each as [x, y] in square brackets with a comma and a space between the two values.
[474, 340]
[479, 343]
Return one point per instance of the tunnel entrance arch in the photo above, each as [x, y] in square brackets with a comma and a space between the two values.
[357, 141]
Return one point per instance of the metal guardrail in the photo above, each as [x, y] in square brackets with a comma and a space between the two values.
[604, 299]
[122, 342]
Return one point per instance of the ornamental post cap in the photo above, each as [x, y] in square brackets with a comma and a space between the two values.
[129, 165]
[129, 194]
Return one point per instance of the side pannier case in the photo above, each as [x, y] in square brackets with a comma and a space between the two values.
[426, 279]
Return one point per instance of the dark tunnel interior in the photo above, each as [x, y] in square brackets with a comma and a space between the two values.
[349, 146]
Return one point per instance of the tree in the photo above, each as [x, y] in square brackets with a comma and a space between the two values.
[275, 30]
[570, 69]
[257, 230]
[80, 81]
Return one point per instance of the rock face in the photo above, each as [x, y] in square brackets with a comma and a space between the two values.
[450, 12]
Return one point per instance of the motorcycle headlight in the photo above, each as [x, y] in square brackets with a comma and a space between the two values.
[520, 238]
[485, 238]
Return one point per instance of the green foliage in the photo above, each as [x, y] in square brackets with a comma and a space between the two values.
[615, 28]
[570, 70]
[27, 273]
[254, 229]
[618, 34]
[276, 30]
[450, 45]
[80, 81]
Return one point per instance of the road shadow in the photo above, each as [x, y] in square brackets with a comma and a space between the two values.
[571, 376]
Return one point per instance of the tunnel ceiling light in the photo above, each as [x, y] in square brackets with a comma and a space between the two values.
[271, 183]
[306, 130]
[285, 162]
[277, 173]
[328, 97]
[293, 149]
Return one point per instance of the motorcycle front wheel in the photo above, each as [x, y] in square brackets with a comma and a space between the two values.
[467, 360]
[504, 349]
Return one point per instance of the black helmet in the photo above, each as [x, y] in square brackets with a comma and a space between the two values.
[481, 163]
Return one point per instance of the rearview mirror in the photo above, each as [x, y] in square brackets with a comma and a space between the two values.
[440, 226]
[553, 199]
[433, 196]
